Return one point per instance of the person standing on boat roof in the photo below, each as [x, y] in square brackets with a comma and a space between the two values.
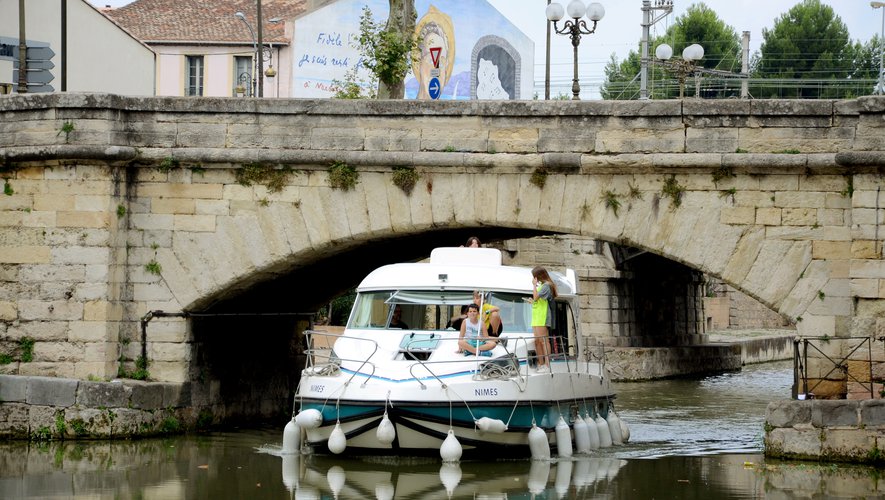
[396, 321]
[543, 293]
[491, 315]
[472, 339]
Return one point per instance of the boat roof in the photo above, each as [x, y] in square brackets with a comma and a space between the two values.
[462, 268]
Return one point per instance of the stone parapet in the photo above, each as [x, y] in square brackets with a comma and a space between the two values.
[846, 431]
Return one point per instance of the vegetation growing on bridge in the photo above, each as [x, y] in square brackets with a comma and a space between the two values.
[673, 190]
[343, 176]
[274, 179]
[539, 177]
[66, 129]
[612, 201]
[405, 178]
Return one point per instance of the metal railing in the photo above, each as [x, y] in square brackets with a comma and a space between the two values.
[321, 359]
[801, 348]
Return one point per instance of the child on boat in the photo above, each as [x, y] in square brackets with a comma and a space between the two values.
[472, 339]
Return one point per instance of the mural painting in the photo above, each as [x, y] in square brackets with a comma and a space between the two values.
[480, 54]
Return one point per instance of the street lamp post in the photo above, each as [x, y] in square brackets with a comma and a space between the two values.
[880, 87]
[683, 67]
[242, 17]
[575, 28]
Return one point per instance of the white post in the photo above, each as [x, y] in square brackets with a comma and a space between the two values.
[745, 64]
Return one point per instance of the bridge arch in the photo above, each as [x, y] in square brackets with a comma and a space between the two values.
[148, 201]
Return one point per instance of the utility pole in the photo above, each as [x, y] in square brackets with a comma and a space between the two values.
[667, 7]
[22, 50]
[547, 64]
[260, 50]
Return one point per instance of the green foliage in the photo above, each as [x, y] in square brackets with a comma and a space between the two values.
[168, 164]
[7, 188]
[339, 308]
[741, 150]
[725, 193]
[405, 178]
[353, 87]
[275, 179]
[385, 52]
[821, 295]
[78, 426]
[612, 201]
[634, 193]
[170, 425]
[5, 359]
[699, 24]
[539, 177]
[673, 190]
[60, 423]
[153, 267]
[26, 349]
[788, 152]
[204, 420]
[121, 211]
[198, 169]
[848, 192]
[807, 42]
[66, 129]
[722, 172]
[449, 149]
[41, 434]
[343, 176]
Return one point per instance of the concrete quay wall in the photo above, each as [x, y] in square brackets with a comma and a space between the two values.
[830, 430]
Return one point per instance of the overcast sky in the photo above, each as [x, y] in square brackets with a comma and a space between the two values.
[619, 30]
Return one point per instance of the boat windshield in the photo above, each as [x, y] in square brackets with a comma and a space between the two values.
[432, 310]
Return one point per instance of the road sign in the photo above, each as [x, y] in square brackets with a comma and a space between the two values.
[35, 65]
[434, 56]
[434, 88]
[40, 53]
[35, 76]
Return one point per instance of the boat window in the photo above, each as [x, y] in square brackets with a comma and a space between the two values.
[433, 310]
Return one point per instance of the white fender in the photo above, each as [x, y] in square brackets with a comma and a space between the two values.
[614, 427]
[450, 477]
[605, 435]
[385, 433]
[538, 474]
[450, 451]
[336, 477]
[592, 431]
[582, 437]
[625, 431]
[563, 478]
[492, 425]
[337, 440]
[563, 438]
[291, 438]
[384, 491]
[309, 419]
[538, 444]
[291, 471]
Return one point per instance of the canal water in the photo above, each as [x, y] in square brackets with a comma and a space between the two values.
[690, 439]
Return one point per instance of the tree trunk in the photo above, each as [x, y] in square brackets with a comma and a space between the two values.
[401, 19]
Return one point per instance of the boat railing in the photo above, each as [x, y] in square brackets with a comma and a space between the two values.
[507, 365]
[321, 357]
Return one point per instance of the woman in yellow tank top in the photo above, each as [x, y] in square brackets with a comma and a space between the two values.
[543, 293]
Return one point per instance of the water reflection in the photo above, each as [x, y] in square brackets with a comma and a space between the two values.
[690, 439]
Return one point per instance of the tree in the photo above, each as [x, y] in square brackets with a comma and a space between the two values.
[385, 51]
[809, 42]
[699, 24]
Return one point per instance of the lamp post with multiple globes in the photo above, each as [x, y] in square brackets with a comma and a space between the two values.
[574, 28]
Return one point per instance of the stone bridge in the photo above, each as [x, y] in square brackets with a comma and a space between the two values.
[238, 218]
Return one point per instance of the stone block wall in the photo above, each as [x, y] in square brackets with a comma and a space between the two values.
[42, 408]
[848, 431]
